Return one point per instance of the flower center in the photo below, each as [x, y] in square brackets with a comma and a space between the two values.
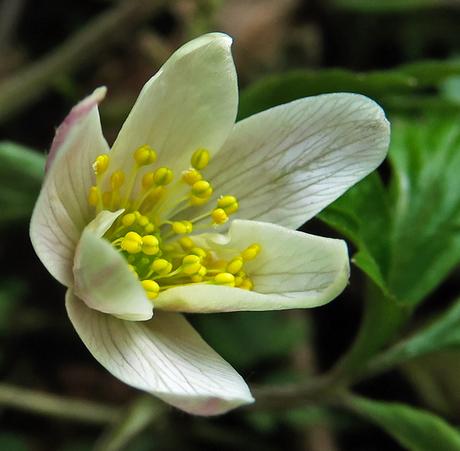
[155, 232]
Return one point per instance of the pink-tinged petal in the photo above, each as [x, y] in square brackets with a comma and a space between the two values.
[190, 103]
[164, 356]
[77, 113]
[102, 277]
[62, 210]
[292, 270]
[287, 163]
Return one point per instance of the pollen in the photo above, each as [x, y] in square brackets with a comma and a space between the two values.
[101, 163]
[191, 176]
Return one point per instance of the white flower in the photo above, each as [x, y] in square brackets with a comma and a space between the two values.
[144, 226]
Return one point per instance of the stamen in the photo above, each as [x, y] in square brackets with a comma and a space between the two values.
[219, 216]
[225, 279]
[151, 288]
[150, 245]
[132, 243]
[101, 163]
[191, 176]
[145, 155]
[200, 159]
[202, 189]
[160, 258]
[251, 252]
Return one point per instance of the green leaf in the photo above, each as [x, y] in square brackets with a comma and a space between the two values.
[408, 234]
[262, 335]
[21, 174]
[443, 333]
[415, 87]
[413, 428]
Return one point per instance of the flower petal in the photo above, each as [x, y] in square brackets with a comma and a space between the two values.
[190, 103]
[62, 210]
[293, 270]
[287, 163]
[102, 277]
[164, 356]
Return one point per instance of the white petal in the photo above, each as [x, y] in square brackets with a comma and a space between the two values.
[62, 210]
[287, 163]
[164, 356]
[189, 104]
[293, 270]
[102, 277]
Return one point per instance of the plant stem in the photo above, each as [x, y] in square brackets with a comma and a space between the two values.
[57, 406]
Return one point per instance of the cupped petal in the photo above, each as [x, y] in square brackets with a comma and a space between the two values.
[164, 356]
[190, 103]
[293, 270]
[102, 277]
[287, 163]
[62, 210]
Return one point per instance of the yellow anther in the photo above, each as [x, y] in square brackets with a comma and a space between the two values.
[144, 155]
[163, 176]
[202, 189]
[106, 197]
[132, 243]
[199, 252]
[225, 278]
[117, 179]
[246, 284]
[143, 220]
[186, 243]
[251, 252]
[150, 245]
[199, 276]
[149, 228]
[161, 266]
[219, 216]
[128, 219]
[101, 163]
[228, 203]
[197, 201]
[235, 265]
[191, 265]
[93, 196]
[182, 227]
[200, 159]
[151, 288]
[148, 180]
[191, 176]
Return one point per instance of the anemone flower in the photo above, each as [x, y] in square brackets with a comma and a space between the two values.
[189, 212]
